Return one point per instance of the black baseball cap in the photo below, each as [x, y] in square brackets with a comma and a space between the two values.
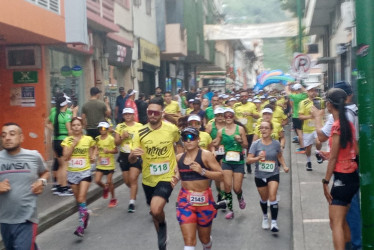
[190, 130]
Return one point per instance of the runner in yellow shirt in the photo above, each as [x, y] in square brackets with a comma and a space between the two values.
[105, 150]
[205, 141]
[171, 107]
[124, 135]
[154, 143]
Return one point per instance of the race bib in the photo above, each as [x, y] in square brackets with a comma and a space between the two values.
[104, 161]
[126, 148]
[221, 150]
[198, 198]
[243, 121]
[159, 168]
[232, 156]
[266, 166]
[78, 163]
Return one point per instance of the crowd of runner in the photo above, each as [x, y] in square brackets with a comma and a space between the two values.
[196, 137]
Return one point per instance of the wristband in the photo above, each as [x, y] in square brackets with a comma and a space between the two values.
[203, 172]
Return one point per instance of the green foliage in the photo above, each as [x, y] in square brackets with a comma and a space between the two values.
[291, 6]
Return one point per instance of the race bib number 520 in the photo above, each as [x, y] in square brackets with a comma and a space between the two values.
[266, 166]
[159, 168]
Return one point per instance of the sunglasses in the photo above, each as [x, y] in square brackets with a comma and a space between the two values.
[229, 115]
[153, 112]
[103, 128]
[218, 115]
[193, 123]
[189, 137]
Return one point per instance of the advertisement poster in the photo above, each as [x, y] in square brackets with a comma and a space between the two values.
[28, 96]
[15, 96]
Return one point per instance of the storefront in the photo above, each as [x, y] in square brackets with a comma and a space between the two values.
[150, 63]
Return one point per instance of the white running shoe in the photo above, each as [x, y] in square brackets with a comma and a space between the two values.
[265, 222]
[274, 226]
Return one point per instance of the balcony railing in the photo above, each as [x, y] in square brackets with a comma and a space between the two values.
[102, 8]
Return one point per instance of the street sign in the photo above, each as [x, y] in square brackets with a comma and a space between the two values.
[301, 64]
[25, 77]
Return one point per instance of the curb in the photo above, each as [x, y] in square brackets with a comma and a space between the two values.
[298, 237]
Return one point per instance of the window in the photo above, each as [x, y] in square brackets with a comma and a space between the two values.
[52, 5]
[148, 7]
[124, 3]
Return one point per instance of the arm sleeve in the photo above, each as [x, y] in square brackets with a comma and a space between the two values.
[328, 125]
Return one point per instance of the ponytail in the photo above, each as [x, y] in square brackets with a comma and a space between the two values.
[345, 127]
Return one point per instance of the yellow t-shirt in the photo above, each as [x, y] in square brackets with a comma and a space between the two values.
[281, 101]
[105, 161]
[279, 114]
[159, 161]
[126, 144]
[277, 128]
[264, 104]
[188, 111]
[80, 159]
[172, 108]
[205, 140]
[246, 120]
[304, 109]
[237, 104]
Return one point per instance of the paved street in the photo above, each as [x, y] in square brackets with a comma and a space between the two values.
[114, 228]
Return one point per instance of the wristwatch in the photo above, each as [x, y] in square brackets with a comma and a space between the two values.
[324, 181]
[44, 181]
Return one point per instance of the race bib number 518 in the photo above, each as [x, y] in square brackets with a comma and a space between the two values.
[159, 168]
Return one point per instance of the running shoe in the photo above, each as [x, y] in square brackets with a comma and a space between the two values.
[295, 140]
[106, 192]
[300, 151]
[65, 192]
[242, 203]
[162, 236]
[229, 215]
[131, 208]
[57, 189]
[309, 166]
[112, 203]
[219, 197]
[54, 188]
[79, 232]
[274, 227]
[86, 218]
[319, 158]
[265, 222]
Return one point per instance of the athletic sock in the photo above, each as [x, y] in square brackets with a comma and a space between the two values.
[308, 159]
[239, 195]
[264, 207]
[223, 194]
[274, 210]
[132, 202]
[208, 245]
[228, 197]
[189, 248]
[82, 212]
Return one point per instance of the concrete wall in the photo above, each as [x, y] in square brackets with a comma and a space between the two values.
[145, 25]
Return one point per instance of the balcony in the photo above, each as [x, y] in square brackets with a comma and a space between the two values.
[175, 41]
[100, 14]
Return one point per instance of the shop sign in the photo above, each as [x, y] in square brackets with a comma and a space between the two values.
[25, 77]
[214, 82]
[118, 54]
[149, 53]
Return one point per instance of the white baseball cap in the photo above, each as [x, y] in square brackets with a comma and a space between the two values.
[312, 86]
[194, 118]
[128, 111]
[297, 86]
[229, 110]
[256, 100]
[267, 110]
[219, 110]
[232, 99]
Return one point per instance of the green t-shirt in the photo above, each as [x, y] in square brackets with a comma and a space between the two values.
[209, 113]
[183, 102]
[296, 99]
[63, 118]
[95, 112]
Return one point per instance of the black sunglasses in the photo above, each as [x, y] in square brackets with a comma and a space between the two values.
[189, 137]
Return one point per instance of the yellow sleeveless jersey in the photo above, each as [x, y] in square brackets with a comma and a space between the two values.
[304, 109]
[205, 140]
[246, 120]
[105, 161]
[80, 159]
[126, 144]
[159, 161]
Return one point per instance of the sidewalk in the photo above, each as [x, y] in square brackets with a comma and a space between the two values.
[311, 228]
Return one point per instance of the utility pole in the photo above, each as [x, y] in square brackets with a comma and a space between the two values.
[365, 81]
[299, 16]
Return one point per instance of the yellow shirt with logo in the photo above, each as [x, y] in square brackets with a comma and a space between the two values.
[277, 129]
[172, 108]
[105, 161]
[159, 161]
[126, 144]
[279, 114]
[205, 140]
[80, 159]
[245, 119]
[304, 109]
[264, 104]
